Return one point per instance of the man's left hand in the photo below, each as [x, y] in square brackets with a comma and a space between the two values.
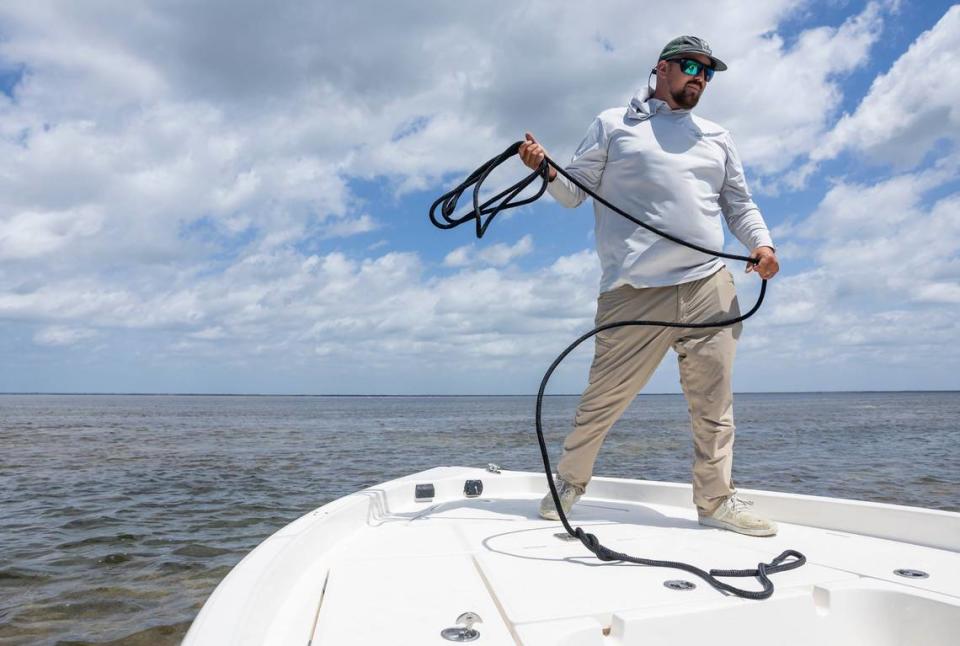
[768, 266]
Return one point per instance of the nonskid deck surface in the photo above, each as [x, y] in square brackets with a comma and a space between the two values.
[405, 570]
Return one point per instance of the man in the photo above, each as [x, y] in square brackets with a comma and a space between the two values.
[680, 173]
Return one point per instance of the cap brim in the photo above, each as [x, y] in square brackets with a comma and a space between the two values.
[718, 64]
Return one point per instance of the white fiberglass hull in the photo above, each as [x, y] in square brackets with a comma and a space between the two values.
[379, 567]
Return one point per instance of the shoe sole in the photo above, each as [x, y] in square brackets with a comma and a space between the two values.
[719, 524]
[551, 513]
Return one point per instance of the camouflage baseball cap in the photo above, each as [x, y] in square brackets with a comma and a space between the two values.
[691, 45]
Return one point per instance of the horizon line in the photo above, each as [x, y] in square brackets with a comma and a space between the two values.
[214, 394]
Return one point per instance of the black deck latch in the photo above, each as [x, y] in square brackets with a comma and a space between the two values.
[473, 488]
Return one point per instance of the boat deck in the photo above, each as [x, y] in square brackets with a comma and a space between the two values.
[379, 567]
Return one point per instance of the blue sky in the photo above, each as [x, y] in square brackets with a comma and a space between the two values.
[189, 204]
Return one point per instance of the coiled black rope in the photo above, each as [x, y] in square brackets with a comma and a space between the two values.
[482, 214]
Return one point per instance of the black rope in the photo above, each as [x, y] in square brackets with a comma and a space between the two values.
[483, 214]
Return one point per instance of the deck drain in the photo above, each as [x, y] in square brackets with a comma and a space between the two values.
[679, 584]
[911, 574]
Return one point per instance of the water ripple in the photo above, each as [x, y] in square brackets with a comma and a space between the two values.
[122, 513]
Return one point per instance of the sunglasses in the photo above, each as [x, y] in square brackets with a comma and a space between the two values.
[692, 67]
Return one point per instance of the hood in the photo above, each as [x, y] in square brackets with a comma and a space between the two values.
[642, 106]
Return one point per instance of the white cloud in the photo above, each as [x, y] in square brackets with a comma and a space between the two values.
[56, 335]
[862, 212]
[459, 257]
[886, 283]
[911, 107]
[209, 333]
[939, 293]
[335, 310]
[498, 255]
[778, 100]
[29, 234]
[345, 227]
[883, 285]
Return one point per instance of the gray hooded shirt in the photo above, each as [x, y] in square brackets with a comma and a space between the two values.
[670, 169]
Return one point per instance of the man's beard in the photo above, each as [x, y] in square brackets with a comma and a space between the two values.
[686, 99]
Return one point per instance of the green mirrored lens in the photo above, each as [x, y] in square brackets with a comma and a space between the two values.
[692, 67]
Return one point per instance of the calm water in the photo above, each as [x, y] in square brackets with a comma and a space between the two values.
[120, 514]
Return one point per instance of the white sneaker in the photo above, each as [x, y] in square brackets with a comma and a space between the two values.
[568, 493]
[734, 515]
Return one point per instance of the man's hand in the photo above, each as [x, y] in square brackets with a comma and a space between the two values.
[532, 154]
[768, 266]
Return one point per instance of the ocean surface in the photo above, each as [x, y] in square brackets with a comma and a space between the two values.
[119, 514]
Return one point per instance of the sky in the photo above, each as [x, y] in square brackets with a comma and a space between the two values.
[231, 196]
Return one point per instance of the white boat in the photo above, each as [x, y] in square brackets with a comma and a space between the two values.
[401, 563]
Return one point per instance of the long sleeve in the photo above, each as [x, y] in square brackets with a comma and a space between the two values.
[739, 210]
[587, 166]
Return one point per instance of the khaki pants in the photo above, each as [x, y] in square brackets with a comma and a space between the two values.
[626, 357]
